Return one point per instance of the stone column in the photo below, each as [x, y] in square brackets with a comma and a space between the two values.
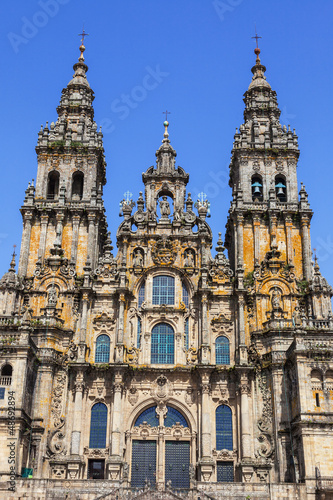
[120, 335]
[24, 255]
[245, 419]
[206, 438]
[42, 240]
[240, 246]
[91, 236]
[116, 416]
[306, 247]
[256, 231]
[289, 245]
[84, 316]
[75, 237]
[206, 461]
[76, 430]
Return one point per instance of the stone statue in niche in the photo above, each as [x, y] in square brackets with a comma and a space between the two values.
[276, 300]
[52, 296]
[164, 207]
[297, 320]
[189, 259]
[137, 258]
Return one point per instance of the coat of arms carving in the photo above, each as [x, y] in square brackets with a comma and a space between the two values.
[164, 251]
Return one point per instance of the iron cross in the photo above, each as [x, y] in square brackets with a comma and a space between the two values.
[83, 34]
[256, 37]
[166, 114]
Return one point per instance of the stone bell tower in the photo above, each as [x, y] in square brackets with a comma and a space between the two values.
[65, 210]
[283, 301]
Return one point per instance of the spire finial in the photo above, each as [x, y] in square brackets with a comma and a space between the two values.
[82, 47]
[256, 50]
[12, 264]
[166, 124]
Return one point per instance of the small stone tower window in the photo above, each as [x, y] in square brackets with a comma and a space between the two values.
[316, 380]
[6, 375]
[256, 186]
[53, 185]
[77, 186]
[280, 188]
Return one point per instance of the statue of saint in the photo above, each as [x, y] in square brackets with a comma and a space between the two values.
[276, 301]
[138, 259]
[189, 260]
[164, 207]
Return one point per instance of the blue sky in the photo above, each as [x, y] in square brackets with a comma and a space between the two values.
[201, 53]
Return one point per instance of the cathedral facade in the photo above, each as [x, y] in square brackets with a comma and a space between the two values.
[166, 370]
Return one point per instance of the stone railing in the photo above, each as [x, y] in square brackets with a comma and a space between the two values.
[5, 380]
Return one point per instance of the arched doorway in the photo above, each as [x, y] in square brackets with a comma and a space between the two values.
[161, 448]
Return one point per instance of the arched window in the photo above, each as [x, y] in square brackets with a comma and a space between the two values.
[256, 187]
[329, 380]
[162, 344]
[102, 353]
[141, 296]
[280, 188]
[163, 290]
[6, 375]
[173, 417]
[186, 334]
[77, 186]
[53, 185]
[222, 351]
[185, 295]
[138, 344]
[148, 416]
[223, 428]
[316, 380]
[98, 422]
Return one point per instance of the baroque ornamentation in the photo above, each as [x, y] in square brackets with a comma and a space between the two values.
[265, 448]
[164, 251]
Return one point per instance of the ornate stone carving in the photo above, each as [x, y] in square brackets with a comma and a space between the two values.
[58, 471]
[265, 448]
[225, 455]
[161, 389]
[56, 439]
[164, 251]
[131, 355]
[191, 356]
[133, 396]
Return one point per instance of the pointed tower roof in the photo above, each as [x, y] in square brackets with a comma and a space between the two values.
[165, 155]
[10, 278]
[80, 68]
[258, 70]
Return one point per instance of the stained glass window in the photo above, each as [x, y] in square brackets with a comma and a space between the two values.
[163, 290]
[186, 333]
[185, 295]
[225, 472]
[223, 428]
[148, 416]
[98, 422]
[141, 297]
[102, 354]
[139, 334]
[222, 351]
[173, 416]
[162, 344]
